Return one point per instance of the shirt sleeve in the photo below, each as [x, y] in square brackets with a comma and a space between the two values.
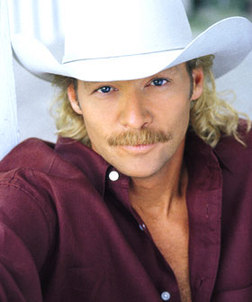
[26, 225]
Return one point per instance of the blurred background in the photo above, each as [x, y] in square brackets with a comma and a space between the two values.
[203, 13]
[39, 18]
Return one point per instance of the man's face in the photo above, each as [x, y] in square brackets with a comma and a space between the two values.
[139, 125]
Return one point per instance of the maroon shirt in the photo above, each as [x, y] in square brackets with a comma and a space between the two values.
[69, 233]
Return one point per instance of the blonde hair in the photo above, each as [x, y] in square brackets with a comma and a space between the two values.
[210, 116]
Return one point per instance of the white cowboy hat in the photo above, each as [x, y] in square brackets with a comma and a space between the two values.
[107, 40]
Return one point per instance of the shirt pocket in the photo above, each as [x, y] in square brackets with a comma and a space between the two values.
[237, 295]
[85, 284]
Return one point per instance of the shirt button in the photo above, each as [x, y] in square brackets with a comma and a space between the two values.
[113, 176]
[165, 296]
[142, 227]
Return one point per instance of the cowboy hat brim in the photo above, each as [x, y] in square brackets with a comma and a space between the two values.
[229, 40]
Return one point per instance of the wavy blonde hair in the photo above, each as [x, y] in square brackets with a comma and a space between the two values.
[210, 116]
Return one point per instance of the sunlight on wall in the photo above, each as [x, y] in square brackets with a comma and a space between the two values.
[8, 111]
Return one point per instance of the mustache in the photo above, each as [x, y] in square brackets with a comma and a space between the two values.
[140, 137]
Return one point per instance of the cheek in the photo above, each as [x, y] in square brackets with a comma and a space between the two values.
[92, 126]
[176, 113]
[97, 124]
[95, 133]
[180, 124]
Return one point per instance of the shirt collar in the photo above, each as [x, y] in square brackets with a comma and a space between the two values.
[85, 159]
[229, 148]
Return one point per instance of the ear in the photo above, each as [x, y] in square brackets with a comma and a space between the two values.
[72, 96]
[198, 83]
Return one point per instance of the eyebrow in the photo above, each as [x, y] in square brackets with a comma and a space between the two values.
[90, 85]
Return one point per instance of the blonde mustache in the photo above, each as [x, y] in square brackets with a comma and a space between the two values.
[141, 137]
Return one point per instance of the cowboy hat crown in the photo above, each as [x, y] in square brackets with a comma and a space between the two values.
[115, 28]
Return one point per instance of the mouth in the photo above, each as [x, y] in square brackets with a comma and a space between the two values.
[137, 149]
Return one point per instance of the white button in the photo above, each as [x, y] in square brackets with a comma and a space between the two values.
[142, 227]
[113, 175]
[165, 296]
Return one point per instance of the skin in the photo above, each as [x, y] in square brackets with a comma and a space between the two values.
[157, 171]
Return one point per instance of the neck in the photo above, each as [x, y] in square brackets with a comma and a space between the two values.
[158, 193]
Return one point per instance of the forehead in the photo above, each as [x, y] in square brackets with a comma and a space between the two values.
[169, 72]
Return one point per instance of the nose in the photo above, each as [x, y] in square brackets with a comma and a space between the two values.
[134, 112]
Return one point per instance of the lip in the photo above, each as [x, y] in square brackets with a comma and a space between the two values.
[139, 149]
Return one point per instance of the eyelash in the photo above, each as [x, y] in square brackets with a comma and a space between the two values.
[110, 87]
[159, 79]
[151, 84]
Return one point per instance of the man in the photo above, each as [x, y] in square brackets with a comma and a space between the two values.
[146, 196]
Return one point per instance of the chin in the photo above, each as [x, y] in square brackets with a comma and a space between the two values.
[138, 172]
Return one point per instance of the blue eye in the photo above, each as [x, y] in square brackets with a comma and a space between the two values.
[105, 89]
[159, 82]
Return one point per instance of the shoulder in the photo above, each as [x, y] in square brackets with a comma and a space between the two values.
[41, 173]
[40, 157]
[35, 171]
[17, 171]
[25, 207]
[32, 153]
